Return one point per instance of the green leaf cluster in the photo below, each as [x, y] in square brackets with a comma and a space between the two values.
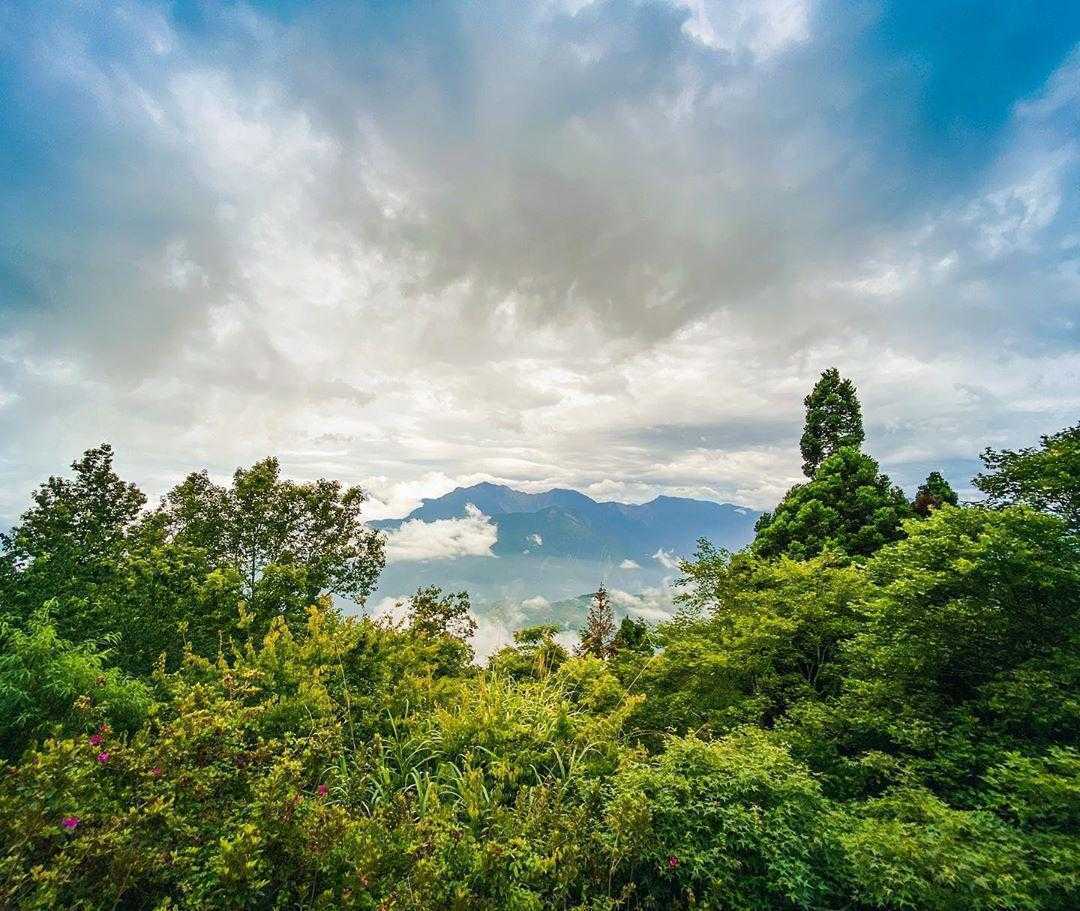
[874, 707]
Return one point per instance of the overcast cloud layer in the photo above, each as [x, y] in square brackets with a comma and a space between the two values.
[604, 245]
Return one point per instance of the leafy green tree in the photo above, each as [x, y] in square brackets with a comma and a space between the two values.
[968, 594]
[961, 629]
[735, 823]
[847, 507]
[447, 619]
[433, 613]
[910, 849]
[167, 596]
[754, 638]
[69, 545]
[828, 721]
[833, 420]
[932, 494]
[598, 630]
[536, 653]
[1046, 477]
[631, 636]
[109, 571]
[289, 542]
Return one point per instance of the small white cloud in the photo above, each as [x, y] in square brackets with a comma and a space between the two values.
[666, 559]
[491, 635]
[536, 603]
[471, 536]
[653, 604]
[764, 27]
[392, 607]
[629, 564]
[537, 540]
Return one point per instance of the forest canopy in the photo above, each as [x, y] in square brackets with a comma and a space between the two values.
[873, 706]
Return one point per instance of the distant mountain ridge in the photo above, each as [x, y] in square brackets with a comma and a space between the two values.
[567, 523]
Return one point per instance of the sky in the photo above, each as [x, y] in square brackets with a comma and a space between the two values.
[601, 245]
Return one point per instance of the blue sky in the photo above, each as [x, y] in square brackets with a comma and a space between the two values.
[605, 245]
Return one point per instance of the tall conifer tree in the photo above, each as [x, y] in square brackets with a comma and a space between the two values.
[833, 420]
[598, 633]
[934, 493]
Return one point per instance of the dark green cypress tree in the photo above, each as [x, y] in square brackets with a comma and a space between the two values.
[833, 420]
[934, 493]
[632, 636]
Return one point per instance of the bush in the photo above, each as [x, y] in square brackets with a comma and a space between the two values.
[49, 685]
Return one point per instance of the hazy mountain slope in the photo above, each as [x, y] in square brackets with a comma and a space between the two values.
[491, 500]
[566, 523]
[560, 543]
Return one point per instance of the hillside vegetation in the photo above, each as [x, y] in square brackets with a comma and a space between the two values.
[876, 705]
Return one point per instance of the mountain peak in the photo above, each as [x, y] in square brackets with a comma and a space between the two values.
[570, 523]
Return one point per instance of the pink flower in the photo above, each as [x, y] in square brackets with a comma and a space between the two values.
[156, 771]
[672, 862]
[95, 740]
[103, 757]
[69, 822]
[322, 790]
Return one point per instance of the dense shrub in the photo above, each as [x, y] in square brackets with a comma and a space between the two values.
[854, 713]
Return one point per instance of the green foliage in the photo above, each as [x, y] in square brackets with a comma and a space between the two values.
[259, 784]
[853, 713]
[848, 507]
[215, 563]
[69, 538]
[289, 542]
[631, 636]
[735, 823]
[909, 849]
[48, 684]
[967, 594]
[432, 613]
[755, 637]
[833, 420]
[1046, 477]
[535, 654]
[69, 546]
[445, 620]
[934, 493]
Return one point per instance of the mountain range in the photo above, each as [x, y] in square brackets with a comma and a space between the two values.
[559, 543]
[567, 523]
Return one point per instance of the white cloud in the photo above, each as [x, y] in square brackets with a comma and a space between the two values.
[491, 635]
[629, 564]
[393, 607]
[666, 559]
[652, 604]
[764, 27]
[444, 539]
[390, 282]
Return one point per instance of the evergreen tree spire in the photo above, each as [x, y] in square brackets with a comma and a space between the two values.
[833, 420]
[598, 633]
[934, 493]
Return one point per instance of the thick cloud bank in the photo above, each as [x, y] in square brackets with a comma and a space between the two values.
[471, 536]
[598, 244]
